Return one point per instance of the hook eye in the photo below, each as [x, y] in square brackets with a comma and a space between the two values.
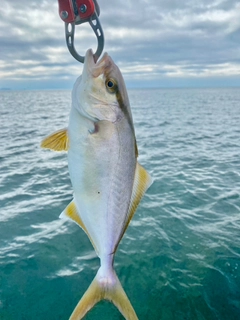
[97, 28]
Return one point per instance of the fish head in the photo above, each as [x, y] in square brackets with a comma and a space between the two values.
[100, 93]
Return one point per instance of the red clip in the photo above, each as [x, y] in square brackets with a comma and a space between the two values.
[86, 8]
[66, 11]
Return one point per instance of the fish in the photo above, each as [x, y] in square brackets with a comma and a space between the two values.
[107, 180]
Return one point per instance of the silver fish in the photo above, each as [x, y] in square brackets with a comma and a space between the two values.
[107, 180]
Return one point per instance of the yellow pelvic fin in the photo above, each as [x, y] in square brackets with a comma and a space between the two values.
[111, 291]
[57, 141]
[71, 213]
[142, 181]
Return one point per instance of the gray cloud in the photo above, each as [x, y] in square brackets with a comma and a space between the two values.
[152, 41]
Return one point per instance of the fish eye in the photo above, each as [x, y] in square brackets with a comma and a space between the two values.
[111, 85]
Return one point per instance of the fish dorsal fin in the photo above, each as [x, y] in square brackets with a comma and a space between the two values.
[57, 141]
[136, 149]
[71, 213]
[142, 181]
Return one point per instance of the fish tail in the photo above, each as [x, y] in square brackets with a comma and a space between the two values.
[104, 288]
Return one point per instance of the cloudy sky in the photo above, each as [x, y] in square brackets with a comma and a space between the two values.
[156, 43]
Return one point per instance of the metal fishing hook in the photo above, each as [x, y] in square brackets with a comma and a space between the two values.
[76, 12]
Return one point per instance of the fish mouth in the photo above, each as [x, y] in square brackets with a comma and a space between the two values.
[96, 68]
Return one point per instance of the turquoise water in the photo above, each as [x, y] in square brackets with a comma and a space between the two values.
[180, 257]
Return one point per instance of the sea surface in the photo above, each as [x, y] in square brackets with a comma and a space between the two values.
[180, 257]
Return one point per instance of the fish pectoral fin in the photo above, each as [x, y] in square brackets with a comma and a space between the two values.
[57, 141]
[71, 213]
[142, 181]
[102, 289]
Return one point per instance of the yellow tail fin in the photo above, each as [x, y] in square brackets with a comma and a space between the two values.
[108, 289]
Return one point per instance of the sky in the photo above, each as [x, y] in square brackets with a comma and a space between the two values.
[155, 43]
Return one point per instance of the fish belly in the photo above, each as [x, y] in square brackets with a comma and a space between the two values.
[102, 165]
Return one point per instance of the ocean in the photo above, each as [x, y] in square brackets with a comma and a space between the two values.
[180, 257]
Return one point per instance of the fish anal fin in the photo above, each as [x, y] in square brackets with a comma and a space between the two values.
[71, 213]
[104, 290]
[142, 181]
[57, 141]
